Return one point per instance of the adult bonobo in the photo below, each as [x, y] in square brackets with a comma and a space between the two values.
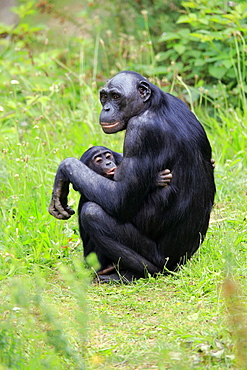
[131, 222]
[104, 162]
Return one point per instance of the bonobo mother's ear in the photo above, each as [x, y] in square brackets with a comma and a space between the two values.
[144, 90]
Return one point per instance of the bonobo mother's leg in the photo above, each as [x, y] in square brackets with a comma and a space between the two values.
[120, 243]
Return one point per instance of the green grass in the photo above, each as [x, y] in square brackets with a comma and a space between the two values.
[51, 315]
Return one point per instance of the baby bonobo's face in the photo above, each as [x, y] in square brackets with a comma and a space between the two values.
[103, 163]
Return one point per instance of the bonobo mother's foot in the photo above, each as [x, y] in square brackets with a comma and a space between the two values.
[105, 276]
[108, 270]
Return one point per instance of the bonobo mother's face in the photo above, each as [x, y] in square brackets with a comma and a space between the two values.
[122, 98]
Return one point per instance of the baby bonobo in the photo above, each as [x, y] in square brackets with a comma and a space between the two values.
[104, 162]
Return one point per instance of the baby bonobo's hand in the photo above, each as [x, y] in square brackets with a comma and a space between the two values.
[164, 178]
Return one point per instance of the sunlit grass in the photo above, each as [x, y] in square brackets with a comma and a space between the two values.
[179, 321]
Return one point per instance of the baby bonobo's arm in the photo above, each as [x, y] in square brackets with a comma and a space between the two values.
[164, 177]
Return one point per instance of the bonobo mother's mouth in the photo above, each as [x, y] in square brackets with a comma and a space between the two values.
[109, 125]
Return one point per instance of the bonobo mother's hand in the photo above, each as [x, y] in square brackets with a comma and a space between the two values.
[164, 178]
[59, 202]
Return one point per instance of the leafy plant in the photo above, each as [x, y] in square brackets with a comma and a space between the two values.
[210, 49]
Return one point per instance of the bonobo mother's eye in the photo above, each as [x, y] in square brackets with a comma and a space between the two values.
[108, 155]
[103, 97]
[116, 96]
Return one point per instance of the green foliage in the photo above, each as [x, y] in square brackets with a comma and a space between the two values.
[127, 17]
[210, 48]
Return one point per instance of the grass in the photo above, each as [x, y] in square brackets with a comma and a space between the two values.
[51, 315]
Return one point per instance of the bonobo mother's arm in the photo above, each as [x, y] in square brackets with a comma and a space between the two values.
[86, 181]
[134, 178]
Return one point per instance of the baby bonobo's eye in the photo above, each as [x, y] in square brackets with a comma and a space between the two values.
[98, 160]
